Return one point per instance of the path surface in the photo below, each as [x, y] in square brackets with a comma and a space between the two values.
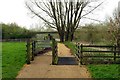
[41, 67]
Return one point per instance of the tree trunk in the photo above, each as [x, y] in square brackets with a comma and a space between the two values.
[61, 35]
[67, 35]
[72, 37]
[61, 39]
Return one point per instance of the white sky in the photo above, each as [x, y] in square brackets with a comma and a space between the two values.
[15, 11]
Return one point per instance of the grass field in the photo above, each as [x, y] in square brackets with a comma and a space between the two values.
[100, 70]
[104, 71]
[13, 58]
[0, 60]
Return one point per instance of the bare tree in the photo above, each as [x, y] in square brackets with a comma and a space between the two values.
[64, 15]
[114, 23]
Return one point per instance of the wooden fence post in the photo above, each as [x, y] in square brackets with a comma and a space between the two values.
[35, 54]
[78, 51]
[81, 54]
[114, 53]
[54, 52]
[28, 52]
[76, 48]
[33, 47]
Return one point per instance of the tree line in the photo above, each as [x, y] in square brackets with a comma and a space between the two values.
[13, 31]
[94, 34]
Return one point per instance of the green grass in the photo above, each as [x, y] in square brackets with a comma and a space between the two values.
[0, 60]
[104, 71]
[100, 70]
[13, 58]
[71, 46]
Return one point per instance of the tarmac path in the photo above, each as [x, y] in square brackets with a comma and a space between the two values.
[67, 66]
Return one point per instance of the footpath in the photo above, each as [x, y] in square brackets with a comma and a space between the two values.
[67, 66]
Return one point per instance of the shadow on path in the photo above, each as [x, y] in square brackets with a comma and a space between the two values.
[67, 61]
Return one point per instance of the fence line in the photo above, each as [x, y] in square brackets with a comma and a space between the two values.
[32, 50]
[80, 51]
[13, 40]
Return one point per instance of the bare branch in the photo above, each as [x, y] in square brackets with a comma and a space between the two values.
[93, 19]
[92, 9]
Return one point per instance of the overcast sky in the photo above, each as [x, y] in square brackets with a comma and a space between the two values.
[15, 11]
